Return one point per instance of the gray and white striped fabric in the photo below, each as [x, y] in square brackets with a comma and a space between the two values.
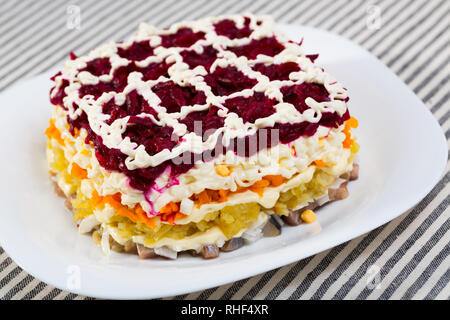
[408, 258]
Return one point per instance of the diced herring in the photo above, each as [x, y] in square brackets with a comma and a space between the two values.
[210, 251]
[145, 253]
[232, 244]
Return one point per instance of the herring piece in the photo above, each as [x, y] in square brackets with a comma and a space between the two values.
[278, 219]
[338, 193]
[345, 176]
[354, 174]
[130, 247]
[351, 175]
[322, 201]
[272, 228]
[145, 253]
[68, 204]
[232, 244]
[59, 191]
[192, 252]
[166, 253]
[293, 218]
[210, 251]
[313, 205]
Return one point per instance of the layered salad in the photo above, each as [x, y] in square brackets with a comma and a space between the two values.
[198, 138]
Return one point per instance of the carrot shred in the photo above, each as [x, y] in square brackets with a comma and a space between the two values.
[223, 195]
[169, 217]
[78, 171]
[261, 183]
[258, 190]
[53, 132]
[150, 222]
[258, 186]
[320, 163]
[170, 207]
[213, 195]
[139, 209]
[203, 198]
[275, 180]
[142, 216]
[95, 198]
[208, 195]
[352, 122]
[348, 141]
[179, 216]
[113, 201]
[166, 209]
[126, 213]
[173, 206]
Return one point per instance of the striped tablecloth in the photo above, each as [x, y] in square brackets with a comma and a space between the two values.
[407, 258]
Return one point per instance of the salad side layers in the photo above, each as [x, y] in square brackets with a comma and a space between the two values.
[199, 137]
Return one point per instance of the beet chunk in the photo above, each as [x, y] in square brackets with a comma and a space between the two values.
[297, 94]
[277, 71]
[173, 96]
[137, 51]
[252, 108]
[267, 46]
[205, 59]
[184, 37]
[229, 29]
[225, 81]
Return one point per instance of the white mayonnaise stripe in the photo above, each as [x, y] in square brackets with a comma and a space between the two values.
[180, 74]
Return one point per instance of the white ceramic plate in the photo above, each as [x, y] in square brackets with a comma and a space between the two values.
[403, 154]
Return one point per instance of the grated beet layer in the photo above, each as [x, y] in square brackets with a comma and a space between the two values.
[267, 46]
[297, 94]
[225, 81]
[184, 37]
[137, 51]
[57, 98]
[229, 29]
[173, 97]
[120, 78]
[134, 104]
[252, 108]
[205, 59]
[277, 71]
[209, 120]
[98, 66]
[153, 137]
